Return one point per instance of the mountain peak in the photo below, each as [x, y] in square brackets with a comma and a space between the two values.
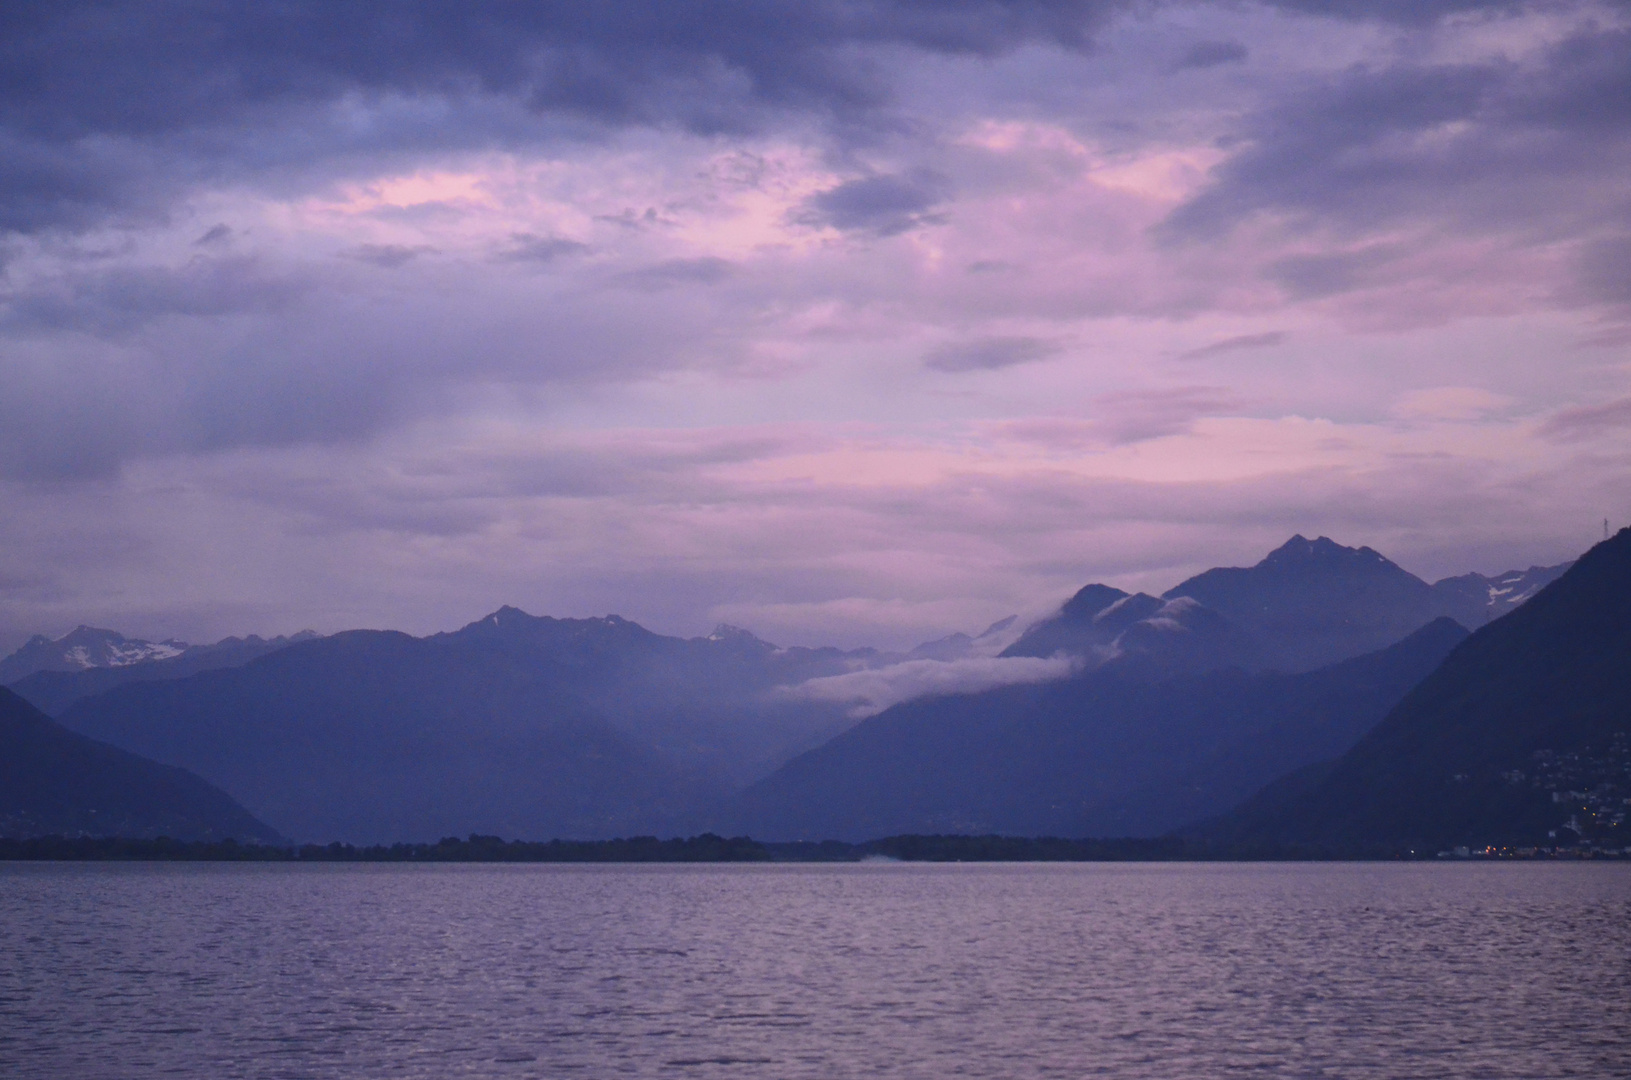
[1091, 600]
[726, 632]
[83, 633]
[1300, 550]
[506, 614]
[998, 627]
[83, 648]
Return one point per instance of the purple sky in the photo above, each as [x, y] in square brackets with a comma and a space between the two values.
[844, 322]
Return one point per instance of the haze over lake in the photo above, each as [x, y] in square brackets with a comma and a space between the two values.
[1128, 971]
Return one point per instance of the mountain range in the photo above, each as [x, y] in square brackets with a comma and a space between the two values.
[1119, 714]
[514, 725]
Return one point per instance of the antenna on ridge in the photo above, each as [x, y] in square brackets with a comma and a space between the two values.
[1605, 528]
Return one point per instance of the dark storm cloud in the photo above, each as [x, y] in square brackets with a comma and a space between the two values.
[110, 108]
[989, 354]
[881, 205]
[1488, 148]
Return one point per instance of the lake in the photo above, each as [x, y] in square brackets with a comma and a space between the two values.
[904, 970]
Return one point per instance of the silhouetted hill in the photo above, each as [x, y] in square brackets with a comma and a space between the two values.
[1521, 730]
[1102, 753]
[53, 781]
[53, 689]
[514, 725]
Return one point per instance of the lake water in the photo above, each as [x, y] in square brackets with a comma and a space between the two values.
[1161, 971]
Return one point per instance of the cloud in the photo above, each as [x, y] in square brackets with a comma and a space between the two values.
[1481, 143]
[1601, 275]
[220, 233]
[253, 91]
[1136, 415]
[881, 205]
[1448, 403]
[388, 256]
[707, 270]
[1125, 418]
[1209, 54]
[114, 300]
[1407, 12]
[873, 691]
[989, 354]
[1235, 344]
[1588, 421]
[683, 352]
[529, 247]
[858, 537]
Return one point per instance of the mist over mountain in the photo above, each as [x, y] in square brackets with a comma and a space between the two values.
[1521, 736]
[1105, 752]
[53, 781]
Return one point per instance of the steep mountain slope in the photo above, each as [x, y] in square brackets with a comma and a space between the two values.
[53, 688]
[54, 781]
[1520, 731]
[1105, 752]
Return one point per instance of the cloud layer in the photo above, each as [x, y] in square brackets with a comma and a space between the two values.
[847, 321]
[871, 692]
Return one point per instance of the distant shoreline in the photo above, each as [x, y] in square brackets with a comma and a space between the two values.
[710, 848]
